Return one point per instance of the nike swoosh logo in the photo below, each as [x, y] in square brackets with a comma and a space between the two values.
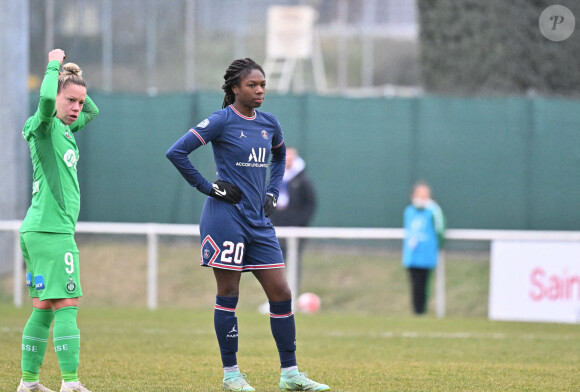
[218, 191]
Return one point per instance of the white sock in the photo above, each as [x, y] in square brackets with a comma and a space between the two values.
[288, 369]
[234, 368]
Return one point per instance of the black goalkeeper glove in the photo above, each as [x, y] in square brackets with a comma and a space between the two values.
[226, 191]
[270, 204]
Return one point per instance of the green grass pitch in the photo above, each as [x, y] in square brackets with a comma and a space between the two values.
[128, 349]
[364, 339]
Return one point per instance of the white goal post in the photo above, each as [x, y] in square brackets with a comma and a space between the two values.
[153, 230]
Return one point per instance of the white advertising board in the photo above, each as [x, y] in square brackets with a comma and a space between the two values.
[535, 281]
[289, 31]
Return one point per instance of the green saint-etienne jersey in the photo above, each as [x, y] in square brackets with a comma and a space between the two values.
[55, 202]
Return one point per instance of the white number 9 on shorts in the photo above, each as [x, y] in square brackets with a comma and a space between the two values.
[70, 261]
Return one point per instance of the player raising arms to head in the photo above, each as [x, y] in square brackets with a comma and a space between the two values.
[47, 232]
[236, 233]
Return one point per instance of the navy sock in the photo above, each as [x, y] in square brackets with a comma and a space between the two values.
[226, 328]
[284, 331]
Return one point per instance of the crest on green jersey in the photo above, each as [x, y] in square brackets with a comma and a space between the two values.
[71, 286]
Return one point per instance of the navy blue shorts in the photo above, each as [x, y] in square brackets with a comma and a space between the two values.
[229, 242]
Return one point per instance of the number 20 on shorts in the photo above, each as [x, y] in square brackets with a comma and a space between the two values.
[232, 252]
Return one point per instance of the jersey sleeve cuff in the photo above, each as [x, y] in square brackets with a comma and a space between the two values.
[205, 187]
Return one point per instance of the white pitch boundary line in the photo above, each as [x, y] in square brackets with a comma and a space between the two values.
[447, 335]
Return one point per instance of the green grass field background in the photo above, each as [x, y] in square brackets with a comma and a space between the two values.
[364, 338]
[361, 277]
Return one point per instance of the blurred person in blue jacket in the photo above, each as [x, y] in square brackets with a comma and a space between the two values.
[424, 225]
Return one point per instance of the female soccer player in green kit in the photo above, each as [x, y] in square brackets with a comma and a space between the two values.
[47, 232]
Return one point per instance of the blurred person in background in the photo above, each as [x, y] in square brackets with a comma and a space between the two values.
[424, 226]
[296, 202]
[47, 232]
[236, 233]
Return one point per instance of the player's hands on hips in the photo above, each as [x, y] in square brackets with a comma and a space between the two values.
[270, 204]
[56, 54]
[226, 191]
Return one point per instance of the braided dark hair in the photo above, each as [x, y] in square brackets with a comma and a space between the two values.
[235, 72]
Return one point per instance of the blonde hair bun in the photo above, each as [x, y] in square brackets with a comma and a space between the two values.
[71, 74]
[72, 69]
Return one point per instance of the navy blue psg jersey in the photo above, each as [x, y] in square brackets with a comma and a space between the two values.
[242, 147]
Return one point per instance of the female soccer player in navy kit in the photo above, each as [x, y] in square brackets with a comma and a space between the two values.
[236, 235]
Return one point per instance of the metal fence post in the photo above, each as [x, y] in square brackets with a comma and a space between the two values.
[151, 39]
[292, 265]
[17, 270]
[190, 19]
[107, 39]
[152, 267]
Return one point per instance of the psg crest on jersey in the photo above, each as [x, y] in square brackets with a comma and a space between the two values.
[264, 134]
[206, 254]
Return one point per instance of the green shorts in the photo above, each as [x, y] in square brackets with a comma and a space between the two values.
[52, 265]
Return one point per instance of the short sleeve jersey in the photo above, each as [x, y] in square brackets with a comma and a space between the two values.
[55, 201]
[241, 147]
